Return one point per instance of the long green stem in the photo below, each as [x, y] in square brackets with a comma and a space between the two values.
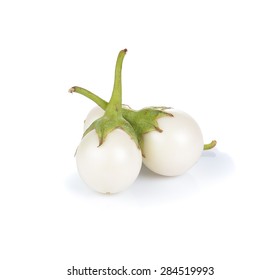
[115, 103]
[210, 145]
[99, 101]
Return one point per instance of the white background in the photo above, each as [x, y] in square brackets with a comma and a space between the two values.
[217, 60]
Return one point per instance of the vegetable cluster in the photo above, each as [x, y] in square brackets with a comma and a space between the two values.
[117, 139]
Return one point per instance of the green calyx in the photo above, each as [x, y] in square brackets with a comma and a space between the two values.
[104, 125]
[134, 123]
[142, 121]
[145, 120]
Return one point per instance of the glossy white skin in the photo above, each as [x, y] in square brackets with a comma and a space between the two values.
[94, 114]
[176, 149]
[113, 166]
